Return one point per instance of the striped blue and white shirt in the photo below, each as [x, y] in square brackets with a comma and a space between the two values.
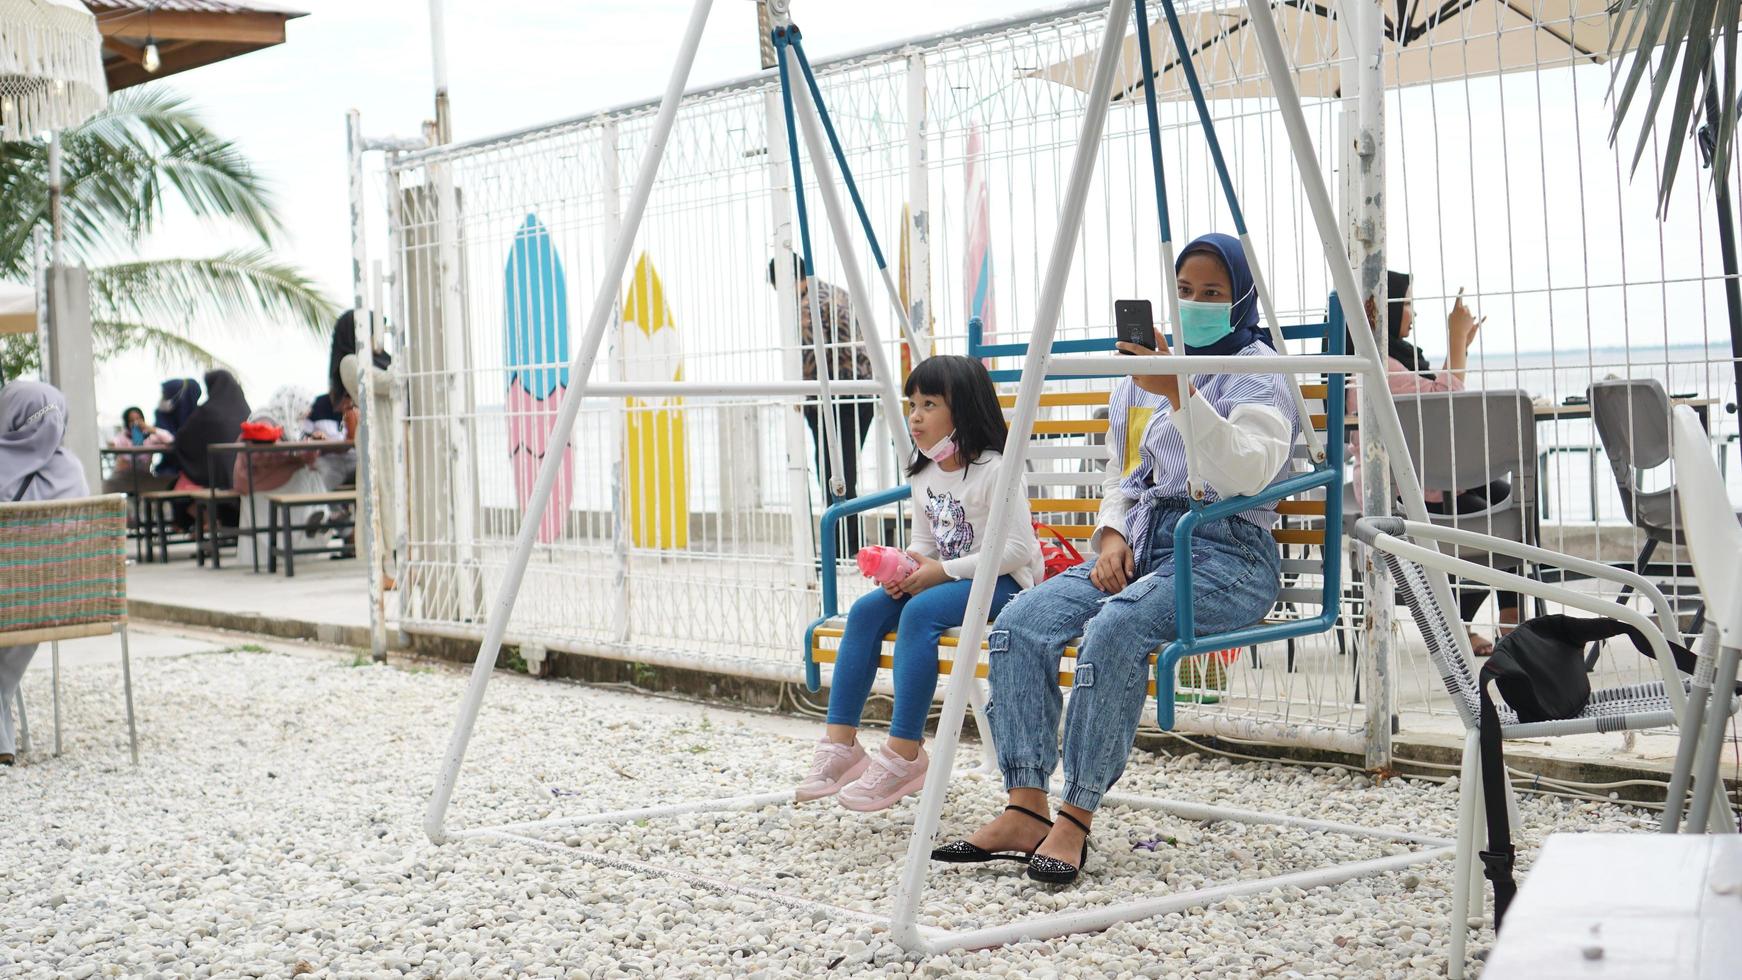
[1244, 426]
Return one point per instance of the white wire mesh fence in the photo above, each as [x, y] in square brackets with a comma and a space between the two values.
[686, 532]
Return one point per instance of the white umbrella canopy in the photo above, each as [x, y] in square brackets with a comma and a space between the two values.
[17, 308]
[51, 67]
[1424, 42]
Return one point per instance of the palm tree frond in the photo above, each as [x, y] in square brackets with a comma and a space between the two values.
[148, 147]
[1685, 36]
[172, 350]
[239, 287]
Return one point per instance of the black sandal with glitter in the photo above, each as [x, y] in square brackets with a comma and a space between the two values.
[962, 852]
[1052, 871]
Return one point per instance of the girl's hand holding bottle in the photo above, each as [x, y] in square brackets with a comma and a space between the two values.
[929, 573]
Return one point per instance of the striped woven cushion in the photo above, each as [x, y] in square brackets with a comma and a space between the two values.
[61, 565]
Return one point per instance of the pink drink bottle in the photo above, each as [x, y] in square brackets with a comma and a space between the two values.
[885, 565]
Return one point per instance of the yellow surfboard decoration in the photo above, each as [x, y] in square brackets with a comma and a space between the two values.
[657, 484]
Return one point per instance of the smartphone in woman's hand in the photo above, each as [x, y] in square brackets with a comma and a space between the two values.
[1134, 321]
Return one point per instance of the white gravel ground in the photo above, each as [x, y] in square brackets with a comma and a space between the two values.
[274, 829]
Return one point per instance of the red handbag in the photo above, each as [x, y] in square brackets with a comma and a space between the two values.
[1057, 555]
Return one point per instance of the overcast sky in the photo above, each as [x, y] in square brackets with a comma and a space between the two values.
[512, 63]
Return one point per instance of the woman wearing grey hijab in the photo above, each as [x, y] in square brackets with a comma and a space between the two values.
[34, 465]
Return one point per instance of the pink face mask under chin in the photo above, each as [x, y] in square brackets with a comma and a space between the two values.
[944, 449]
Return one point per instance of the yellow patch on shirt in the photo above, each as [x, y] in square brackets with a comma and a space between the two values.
[1136, 424]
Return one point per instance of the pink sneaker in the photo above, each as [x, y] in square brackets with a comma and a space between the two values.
[833, 766]
[887, 779]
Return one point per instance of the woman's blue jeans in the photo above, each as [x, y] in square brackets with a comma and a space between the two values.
[1236, 574]
[918, 622]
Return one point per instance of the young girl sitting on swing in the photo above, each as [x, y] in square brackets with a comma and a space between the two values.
[958, 432]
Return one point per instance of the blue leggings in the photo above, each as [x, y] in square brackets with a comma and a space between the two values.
[918, 621]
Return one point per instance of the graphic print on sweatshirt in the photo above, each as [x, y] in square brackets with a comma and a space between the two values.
[949, 524]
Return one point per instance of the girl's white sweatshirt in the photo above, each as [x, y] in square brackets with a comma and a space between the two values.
[951, 512]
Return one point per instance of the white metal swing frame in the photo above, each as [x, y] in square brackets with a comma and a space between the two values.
[1379, 415]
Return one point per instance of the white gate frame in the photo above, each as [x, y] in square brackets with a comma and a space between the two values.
[902, 921]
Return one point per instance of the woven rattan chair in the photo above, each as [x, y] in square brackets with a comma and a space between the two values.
[1630, 707]
[63, 576]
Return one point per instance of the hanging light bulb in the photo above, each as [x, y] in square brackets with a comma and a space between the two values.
[150, 62]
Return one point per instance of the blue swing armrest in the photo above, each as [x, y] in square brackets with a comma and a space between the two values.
[1328, 475]
[830, 574]
[1189, 643]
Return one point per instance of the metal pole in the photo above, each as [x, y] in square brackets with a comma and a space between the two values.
[48, 298]
[580, 370]
[399, 398]
[828, 433]
[438, 43]
[1367, 255]
[890, 289]
[903, 926]
[806, 111]
[57, 229]
[44, 315]
[368, 527]
[1379, 410]
[1726, 236]
[786, 304]
[612, 191]
[918, 269]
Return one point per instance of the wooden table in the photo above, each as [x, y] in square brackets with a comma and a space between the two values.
[135, 504]
[248, 450]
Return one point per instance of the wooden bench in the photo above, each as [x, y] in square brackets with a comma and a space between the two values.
[205, 532]
[277, 503]
[1067, 456]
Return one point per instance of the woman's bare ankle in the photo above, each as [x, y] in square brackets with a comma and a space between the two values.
[1014, 829]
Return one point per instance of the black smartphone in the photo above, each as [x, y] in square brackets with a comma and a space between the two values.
[1135, 322]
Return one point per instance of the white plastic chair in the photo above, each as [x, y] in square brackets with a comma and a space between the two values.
[1714, 542]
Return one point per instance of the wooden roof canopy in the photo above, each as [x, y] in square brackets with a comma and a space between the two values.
[188, 33]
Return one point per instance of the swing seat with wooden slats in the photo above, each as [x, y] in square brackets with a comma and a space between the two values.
[1065, 495]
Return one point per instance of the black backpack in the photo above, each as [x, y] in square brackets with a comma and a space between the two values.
[1539, 669]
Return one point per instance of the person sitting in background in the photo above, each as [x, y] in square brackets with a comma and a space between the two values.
[218, 420]
[131, 472]
[34, 465]
[277, 472]
[1408, 372]
[180, 397]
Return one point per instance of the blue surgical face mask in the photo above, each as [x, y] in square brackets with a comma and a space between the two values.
[1202, 324]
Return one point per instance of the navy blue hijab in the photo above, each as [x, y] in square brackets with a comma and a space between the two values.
[1244, 315]
[180, 397]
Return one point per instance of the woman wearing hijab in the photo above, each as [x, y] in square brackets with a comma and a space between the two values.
[1122, 600]
[218, 419]
[1408, 372]
[180, 397]
[33, 466]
